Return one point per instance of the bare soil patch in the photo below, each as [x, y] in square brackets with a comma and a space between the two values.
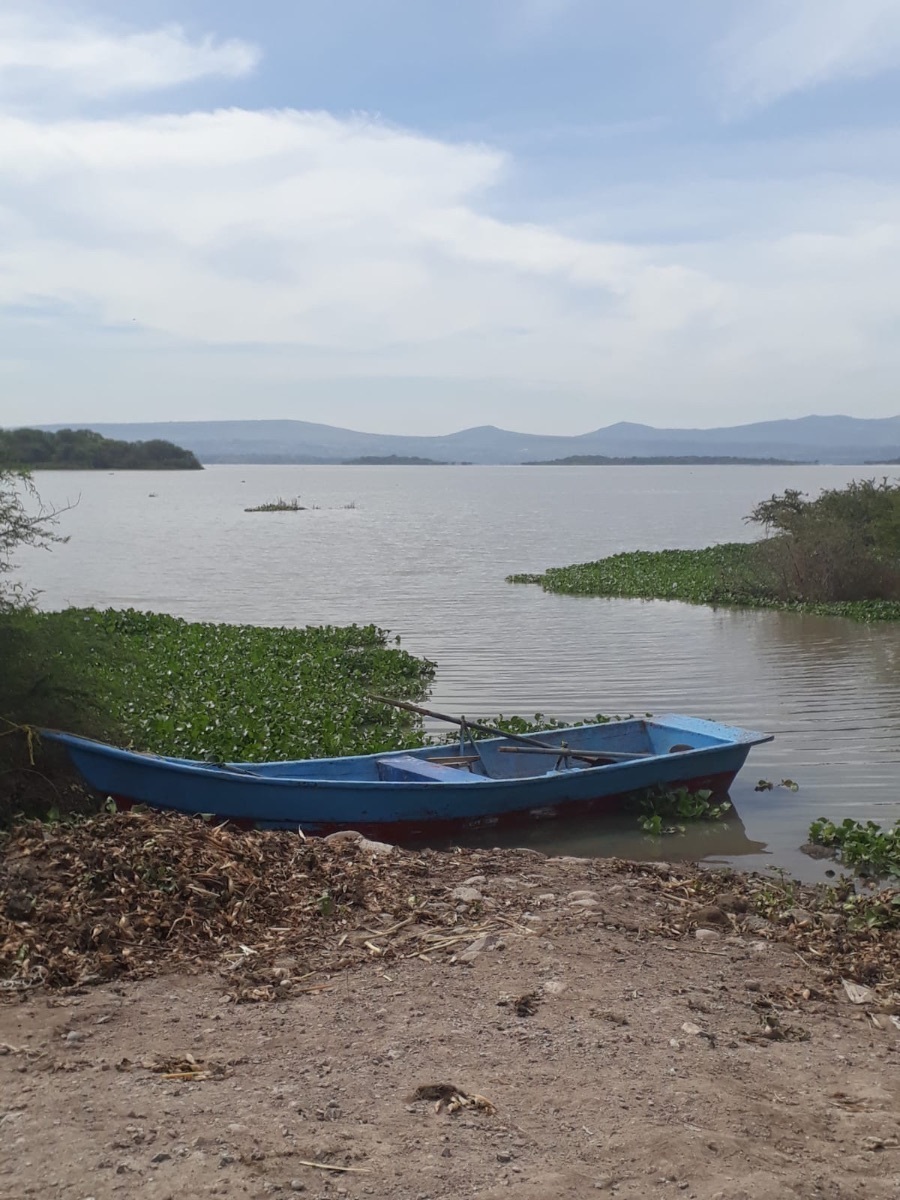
[430, 1025]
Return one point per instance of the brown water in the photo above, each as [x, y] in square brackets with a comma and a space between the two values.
[425, 552]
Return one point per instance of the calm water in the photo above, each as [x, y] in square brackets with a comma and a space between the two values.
[424, 553]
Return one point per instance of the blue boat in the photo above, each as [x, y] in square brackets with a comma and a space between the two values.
[398, 794]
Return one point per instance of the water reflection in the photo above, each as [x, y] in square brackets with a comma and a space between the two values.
[617, 835]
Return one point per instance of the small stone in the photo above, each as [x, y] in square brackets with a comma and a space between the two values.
[504, 1156]
[798, 916]
[468, 895]
[711, 915]
[376, 849]
[474, 881]
[582, 894]
[554, 987]
[162, 1157]
[297, 1185]
[707, 935]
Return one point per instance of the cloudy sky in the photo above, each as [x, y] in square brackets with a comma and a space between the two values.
[416, 215]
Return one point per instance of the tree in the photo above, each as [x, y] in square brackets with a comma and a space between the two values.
[24, 521]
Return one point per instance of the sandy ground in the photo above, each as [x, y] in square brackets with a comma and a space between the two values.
[635, 1064]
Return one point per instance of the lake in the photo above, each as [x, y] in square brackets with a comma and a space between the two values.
[424, 551]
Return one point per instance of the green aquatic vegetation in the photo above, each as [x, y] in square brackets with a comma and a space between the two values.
[663, 806]
[870, 849]
[711, 576]
[725, 575]
[280, 505]
[240, 692]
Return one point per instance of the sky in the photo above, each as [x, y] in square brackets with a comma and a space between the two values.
[414, 216]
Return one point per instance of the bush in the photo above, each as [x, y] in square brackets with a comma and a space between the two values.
[843, 546]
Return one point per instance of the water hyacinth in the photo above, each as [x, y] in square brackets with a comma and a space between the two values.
[241, 692]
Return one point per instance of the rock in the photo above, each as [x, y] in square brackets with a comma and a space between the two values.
[468, 895]
[297, 1185]
[343, 837]
[585, 903]
[475, 881]
[812, 850]
[504, 1156]
[487, 941]
[377, 849]
[710, 915]
[73, 1037]
[797, 916]
[873, 1143]
[582, 894]
[755, 924]
[707, 935]
[554, 987]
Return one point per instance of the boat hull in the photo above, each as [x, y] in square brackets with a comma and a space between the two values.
[401, 794]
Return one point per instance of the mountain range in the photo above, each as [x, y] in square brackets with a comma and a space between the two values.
[836, 439]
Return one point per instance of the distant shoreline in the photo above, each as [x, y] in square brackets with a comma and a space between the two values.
[667, 460]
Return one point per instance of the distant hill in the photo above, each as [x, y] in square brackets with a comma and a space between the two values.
[808, 439]
[670, 460]
[393, 460]
[87, 450]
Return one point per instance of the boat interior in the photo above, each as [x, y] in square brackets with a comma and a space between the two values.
[467, 761]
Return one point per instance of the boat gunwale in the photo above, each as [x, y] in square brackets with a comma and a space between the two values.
[249, 773]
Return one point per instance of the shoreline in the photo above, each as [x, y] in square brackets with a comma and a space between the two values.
[636, 1029]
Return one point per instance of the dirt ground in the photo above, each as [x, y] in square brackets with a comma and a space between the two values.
[612, 1056]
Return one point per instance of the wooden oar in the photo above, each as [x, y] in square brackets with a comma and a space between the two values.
[462, 722]
[586, 755]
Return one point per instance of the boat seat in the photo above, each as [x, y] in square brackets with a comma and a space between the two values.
[405, 768]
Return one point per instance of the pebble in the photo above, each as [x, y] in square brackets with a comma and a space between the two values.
[376, 849]
[707, 935]
[711, 915]
[468, 895]
[297, 1185]
[798, 916]
[504, 1156]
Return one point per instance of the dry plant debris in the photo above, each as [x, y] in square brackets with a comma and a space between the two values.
[135, 894]
[452, 1098]
[132, 894]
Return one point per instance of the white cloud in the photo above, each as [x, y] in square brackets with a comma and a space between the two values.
[784, 46]
[41, 53]
[246, 255]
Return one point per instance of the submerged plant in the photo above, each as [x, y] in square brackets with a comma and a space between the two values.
[867, 847]
[662, 806]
